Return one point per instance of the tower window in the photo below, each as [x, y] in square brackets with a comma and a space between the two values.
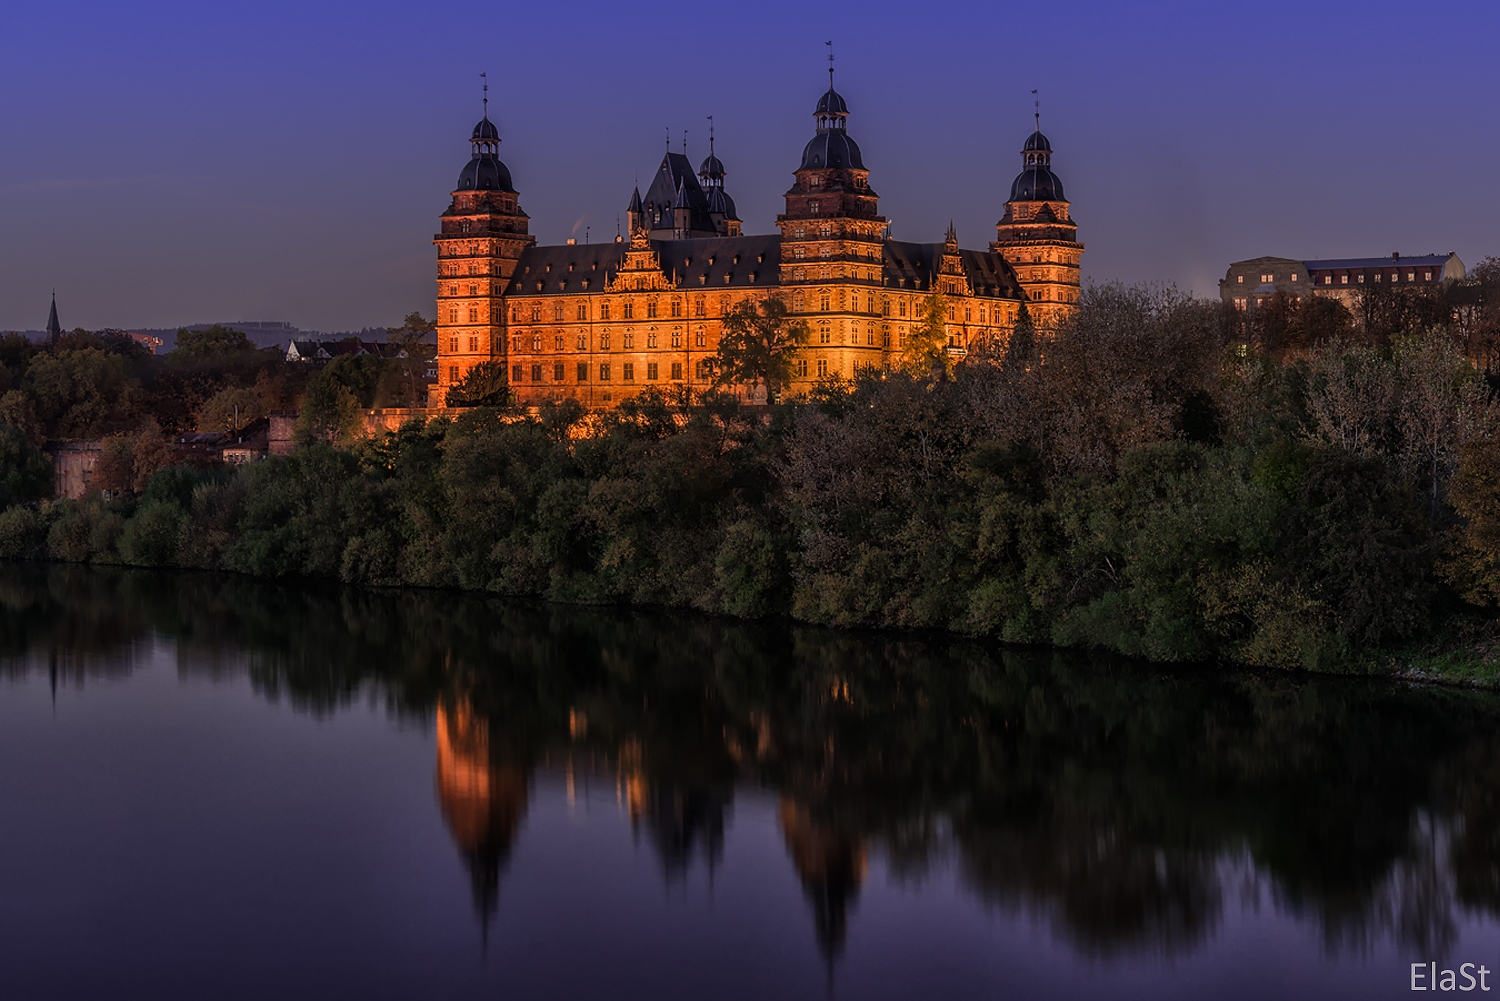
[629, 310]
[583, 371]
[629, 339]
[604, 311]
[557, 342]
[515, 373]
[453, 345]
[536, 313]
[651, 371]
[473, 289]
[651, 310]
[583, 312]
[604, 340]
[473, 344]
[701, 307]
[676, 337]
[825, 334]
[802, 367]
[822, 367]
[536, 373]
[536, 342]
[702, 338]
[604, 372]
[583, 342]
[628, 372]
[651, 338]
[557, 311]
[473, 314]
[557, 372]
[453, 315]
[676, 308]
[677, 370]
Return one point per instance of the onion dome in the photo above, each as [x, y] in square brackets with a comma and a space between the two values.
[1036, 141]
[831, 149]
[831, 103]
[720, 202]
[1037, 183]
[712, 167]
[485, 172]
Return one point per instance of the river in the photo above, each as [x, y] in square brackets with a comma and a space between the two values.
[219, 787]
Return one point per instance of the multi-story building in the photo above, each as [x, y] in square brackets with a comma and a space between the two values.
[1251, 283]
[599, 323]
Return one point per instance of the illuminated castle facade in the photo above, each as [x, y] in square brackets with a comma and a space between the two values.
[599, 323]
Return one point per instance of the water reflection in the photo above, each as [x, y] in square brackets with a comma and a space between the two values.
[1126, 809]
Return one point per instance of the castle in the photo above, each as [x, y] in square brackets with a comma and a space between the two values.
[600, 322]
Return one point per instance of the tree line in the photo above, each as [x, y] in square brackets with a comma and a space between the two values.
[1160, 476]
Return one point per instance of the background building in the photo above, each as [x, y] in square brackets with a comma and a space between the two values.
[1250, 283]
[600, 322]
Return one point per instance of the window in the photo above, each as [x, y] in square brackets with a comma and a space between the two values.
[676, 308]
[583, 342]
[700, 308]
[885, 306]
[885, 336]
[453, 345]
[628, 373]
[1268, 279]
[557, 372]
[651, 371]
[453, 375]
[1427, 276]
[813, 207]
[822, 367]
[604, 372]
[799, 253]
[799, 275]
[1343, 279]
[515, 314]
[825, 335]
[583, 371]
[604, 340]
[1294, 276]
[473, 314]
[536, 373]
[651, 310]
[802, 367]
[583, 311]
[701, 338]
[629, 310]
[1377, 276]
[604, 311]
[902, 308]
[823, 301]
[968, 314]
[1328, 279]
[676, 337]
[1241, 279]
[1360, 278]
[536, 342]
[473, 344]
[557, 342]
[536, 313]
[870, 336]
[629, 339]
[651, 338]
[1239, 304]
[723, 305]
[453, 315]
[515, 373]
[677, 370]
[1411, 276]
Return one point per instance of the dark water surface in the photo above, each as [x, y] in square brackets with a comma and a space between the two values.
[222, 788]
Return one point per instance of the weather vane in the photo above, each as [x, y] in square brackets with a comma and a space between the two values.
[829, 43]
[486, 78]
[1038, 103]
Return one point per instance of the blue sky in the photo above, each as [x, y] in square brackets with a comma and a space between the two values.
[171, 163]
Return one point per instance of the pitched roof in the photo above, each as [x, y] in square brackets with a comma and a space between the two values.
[1354, 263]
[676, 174]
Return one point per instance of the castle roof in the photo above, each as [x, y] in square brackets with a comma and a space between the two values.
[676, 174]
[1356, 263]
[739, 262]
[485, 172]
[831, 149]
[1037, 183]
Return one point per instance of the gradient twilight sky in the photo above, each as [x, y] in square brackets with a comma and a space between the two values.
[171, 163]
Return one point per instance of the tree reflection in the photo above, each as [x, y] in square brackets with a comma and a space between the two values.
[1125, 807]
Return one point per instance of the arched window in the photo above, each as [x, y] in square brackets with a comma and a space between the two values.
[536, 342]
[557, 342]
[536, 313]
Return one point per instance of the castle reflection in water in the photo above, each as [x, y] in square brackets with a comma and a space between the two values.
[1122, 808]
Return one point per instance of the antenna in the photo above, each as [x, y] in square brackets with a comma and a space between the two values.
[830, 63]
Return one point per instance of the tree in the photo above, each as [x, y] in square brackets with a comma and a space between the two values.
[414, 343]
[229, 409]
[756, 345]
[330, 413]
[926, 353]
[484, 385]
[210, 343]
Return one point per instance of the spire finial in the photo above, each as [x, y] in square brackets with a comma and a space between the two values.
[1038, 103]
[684, 142]
[710, 135]
[486, 78]
[830, 63]
[669, 138]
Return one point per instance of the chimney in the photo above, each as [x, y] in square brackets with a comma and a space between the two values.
[1395, 256]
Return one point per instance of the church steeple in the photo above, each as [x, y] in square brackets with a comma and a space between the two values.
[54, 329]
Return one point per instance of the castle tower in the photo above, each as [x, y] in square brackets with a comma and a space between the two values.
[1037, 235]
[482, 237]
[720, 205]
[832, 244]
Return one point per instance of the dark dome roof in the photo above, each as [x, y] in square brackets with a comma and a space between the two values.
[485, 130]
[1037, 184]
[831, 148]
[484, 173]
[712, 167]
[1036, 141]
[718, 201]
[831, 104]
